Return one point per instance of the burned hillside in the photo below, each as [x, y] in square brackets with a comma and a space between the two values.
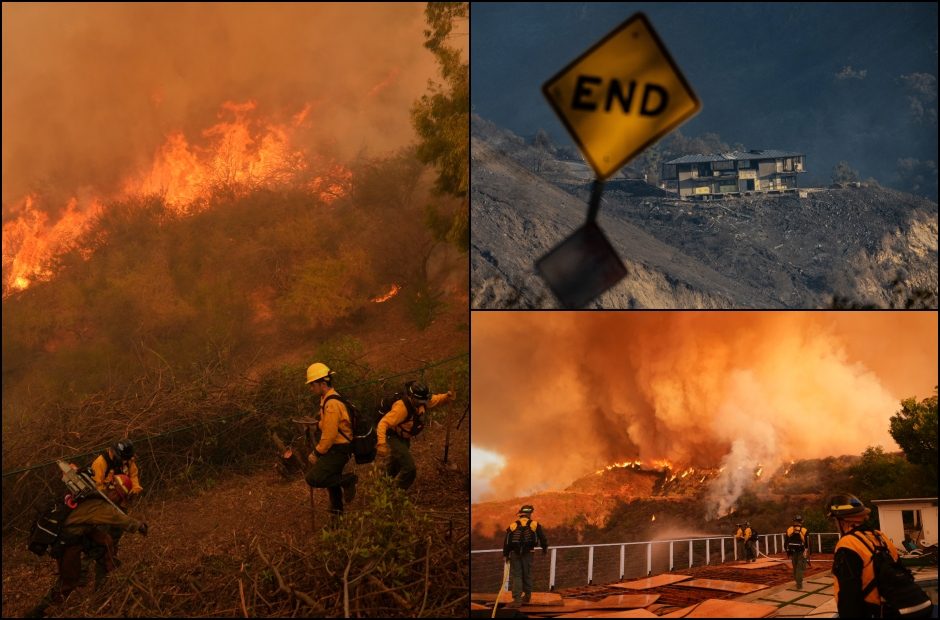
[864, 246]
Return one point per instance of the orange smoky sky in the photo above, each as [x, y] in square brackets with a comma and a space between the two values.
[91, 91]
[557, 395]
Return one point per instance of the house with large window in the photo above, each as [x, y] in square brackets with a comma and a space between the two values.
[706, 176]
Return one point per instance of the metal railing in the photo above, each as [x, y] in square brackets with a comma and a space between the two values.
[611, 562]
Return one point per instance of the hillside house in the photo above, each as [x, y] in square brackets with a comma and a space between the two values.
[705, 176]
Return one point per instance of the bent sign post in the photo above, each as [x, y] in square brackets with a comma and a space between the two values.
[617, 99]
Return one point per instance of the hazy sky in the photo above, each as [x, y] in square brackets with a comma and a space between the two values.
[852, 81]
[557, 395]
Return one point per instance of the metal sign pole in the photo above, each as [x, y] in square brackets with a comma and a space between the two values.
[597, 188]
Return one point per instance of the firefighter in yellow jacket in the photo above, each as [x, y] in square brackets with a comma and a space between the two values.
[334, 447]
[853, 567]
[522, 536]
[739, 539]
[750, 543]
[406, 419]
[797, 541]
[116, 460]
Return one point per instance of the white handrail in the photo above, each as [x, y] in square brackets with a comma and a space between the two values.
[649, 551]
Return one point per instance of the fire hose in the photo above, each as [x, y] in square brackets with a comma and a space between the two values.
[502, 588]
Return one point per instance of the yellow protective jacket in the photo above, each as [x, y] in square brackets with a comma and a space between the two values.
[94, 511]
[396, 420]
[335, 424]
[514, 535]
[739, 534]
[104, 472]
[853, 569]
[747, 534]
[803, 532]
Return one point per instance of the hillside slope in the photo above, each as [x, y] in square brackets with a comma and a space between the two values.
[853, 246]
[202, 549]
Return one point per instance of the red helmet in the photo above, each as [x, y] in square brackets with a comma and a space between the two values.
[122, 486]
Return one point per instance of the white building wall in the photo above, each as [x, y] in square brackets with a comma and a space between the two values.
[891, 523]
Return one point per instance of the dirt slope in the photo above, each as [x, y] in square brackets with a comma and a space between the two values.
[866, 245]
[198, 543]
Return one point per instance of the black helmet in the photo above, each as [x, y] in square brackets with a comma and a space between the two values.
[526, 510]
[417, 391]
[845, 505]
[124, 449]
[798, 519]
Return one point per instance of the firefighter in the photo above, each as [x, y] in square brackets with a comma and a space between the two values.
[750, 542]
[333, 448]
[853, 568]
[81, 531]
[118, 459]
[739, 538]
[798, 549]
[521, 538]
[406, 419]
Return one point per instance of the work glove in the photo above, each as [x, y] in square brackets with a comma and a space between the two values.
[312, 458]
[382, 449]
[143, 529]
[451, 395]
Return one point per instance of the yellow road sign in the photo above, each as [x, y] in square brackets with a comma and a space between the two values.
[621, 96]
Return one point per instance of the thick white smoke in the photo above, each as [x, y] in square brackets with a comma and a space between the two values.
[560, 394]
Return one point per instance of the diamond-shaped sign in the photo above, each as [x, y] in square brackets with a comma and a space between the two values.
[581, 267]
[621, 96]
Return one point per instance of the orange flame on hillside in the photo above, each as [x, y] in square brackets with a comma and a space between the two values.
[31, 240]
[391, 293]
[240, 153]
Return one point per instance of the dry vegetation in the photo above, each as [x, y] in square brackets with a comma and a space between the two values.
[230, 535]
[190, 335]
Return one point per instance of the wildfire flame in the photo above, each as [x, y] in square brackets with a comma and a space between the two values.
[30, 240]
[391, 293]
[759, 471]
[240, 153]
[653, 519]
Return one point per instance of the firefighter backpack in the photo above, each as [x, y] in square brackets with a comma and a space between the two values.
[522, 537]
[901, 595]
[47, 528]
[364, 439]
[795, 542]
[417, 419]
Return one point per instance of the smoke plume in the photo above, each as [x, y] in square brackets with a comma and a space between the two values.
[558, 395]
[91, 91]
